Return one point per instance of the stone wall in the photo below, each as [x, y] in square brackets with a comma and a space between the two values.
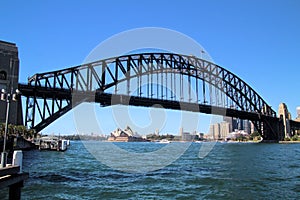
[9, 80]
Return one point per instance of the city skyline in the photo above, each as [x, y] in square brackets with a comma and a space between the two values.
[260, 48]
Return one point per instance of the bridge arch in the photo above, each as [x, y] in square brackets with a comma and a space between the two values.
[49, 95]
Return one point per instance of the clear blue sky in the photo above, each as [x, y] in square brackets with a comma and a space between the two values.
[257, 40]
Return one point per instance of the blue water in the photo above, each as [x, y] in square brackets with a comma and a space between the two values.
[229, 171]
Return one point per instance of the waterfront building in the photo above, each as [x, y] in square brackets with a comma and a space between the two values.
[197, 135]
[126, 135]
[185, 136]
[236, 134]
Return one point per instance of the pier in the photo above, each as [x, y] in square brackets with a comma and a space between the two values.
[12, 176]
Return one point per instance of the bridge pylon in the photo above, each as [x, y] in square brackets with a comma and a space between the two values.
[272, 129]
[9, 78]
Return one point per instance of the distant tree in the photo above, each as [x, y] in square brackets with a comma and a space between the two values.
[295, 138]
[255, 135]
[241, 138]
[17, 130]
[160, 137]
[21, 130]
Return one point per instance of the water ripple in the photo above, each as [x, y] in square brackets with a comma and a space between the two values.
[230, 171]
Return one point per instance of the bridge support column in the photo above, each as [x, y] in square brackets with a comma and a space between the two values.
[9, 78]
[272, 130]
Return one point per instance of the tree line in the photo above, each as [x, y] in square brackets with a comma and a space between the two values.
[17, 130]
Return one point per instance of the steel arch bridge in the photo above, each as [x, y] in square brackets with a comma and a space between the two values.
[174, 81]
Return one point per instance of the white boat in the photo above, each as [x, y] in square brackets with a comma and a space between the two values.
[164, 141]
[198, 141]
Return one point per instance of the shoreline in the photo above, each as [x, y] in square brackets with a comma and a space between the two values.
[289, 142]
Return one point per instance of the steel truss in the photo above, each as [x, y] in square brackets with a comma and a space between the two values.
[149, 76]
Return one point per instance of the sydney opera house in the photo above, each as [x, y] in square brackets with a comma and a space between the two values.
[126, 135]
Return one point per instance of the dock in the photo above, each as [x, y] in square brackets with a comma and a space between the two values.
[12, 178]
[51, 143]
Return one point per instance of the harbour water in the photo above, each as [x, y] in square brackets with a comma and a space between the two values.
[229, 171]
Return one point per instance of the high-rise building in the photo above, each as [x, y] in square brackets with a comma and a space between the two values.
[219, 130]
[247, 126]
[211, 131]
[217, 134]
[232, 123]
[252, 128]
[181, 131]
[224, 130]
[238, 124]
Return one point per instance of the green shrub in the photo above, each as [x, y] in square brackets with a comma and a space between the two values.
[295, 138]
